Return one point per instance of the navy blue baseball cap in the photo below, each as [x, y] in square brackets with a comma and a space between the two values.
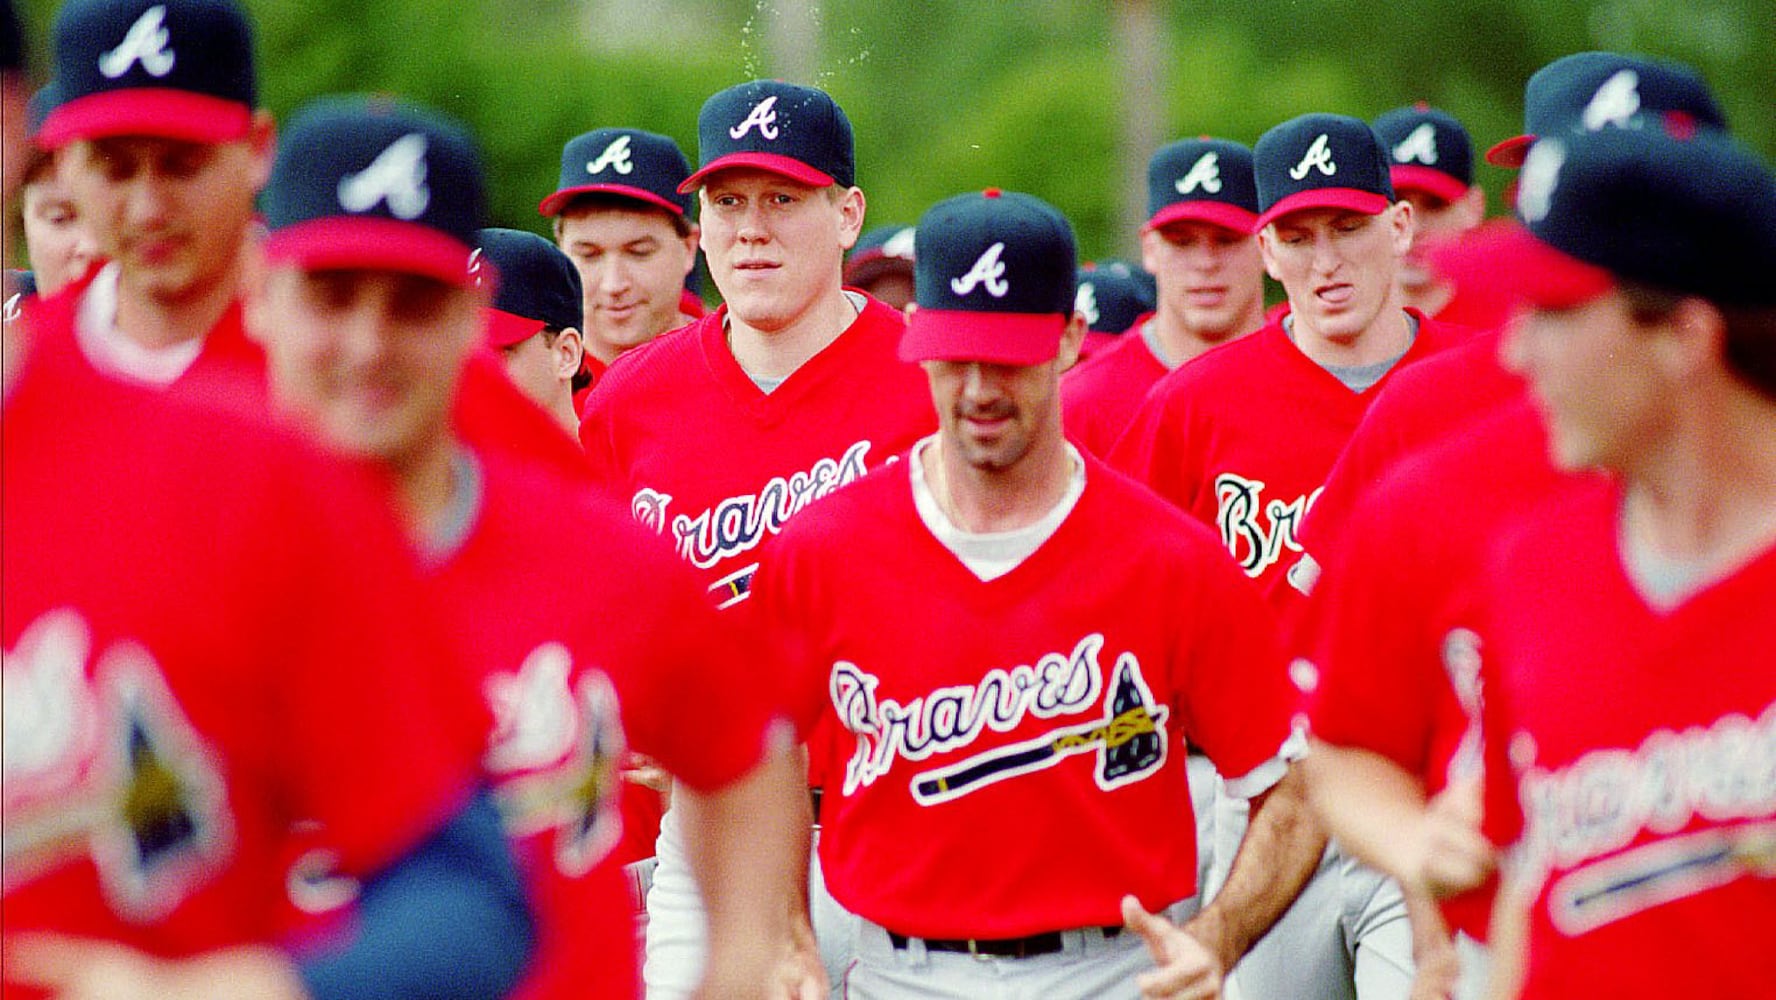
[535, 286]
[1320, 161]
[176, 69]
[1683, 210]
[799, 132]
[1428, 150]
[878, 252]
[625, 162]
[375, 184]
[994, 280]
[1110, 297]
[1207, 180]
[1589, 91]
[37, 109]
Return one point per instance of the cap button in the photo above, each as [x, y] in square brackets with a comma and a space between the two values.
[1680, 125]
[1421, 105]
[991, 193]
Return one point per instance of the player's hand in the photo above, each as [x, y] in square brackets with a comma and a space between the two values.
[1434, 972]
[645, 772]
[71, 968]
[1451, 855]
[802, 975]
[1187, 969]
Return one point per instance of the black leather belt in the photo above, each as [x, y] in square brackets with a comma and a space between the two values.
[1047, 943]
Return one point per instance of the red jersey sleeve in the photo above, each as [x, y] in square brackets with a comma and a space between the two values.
[1237, 702]
[1375, 688]
[702, 705]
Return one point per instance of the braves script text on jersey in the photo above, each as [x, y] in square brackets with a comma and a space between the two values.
[716, 465]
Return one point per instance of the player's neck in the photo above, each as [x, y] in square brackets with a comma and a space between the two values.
[562, 409]
[156, 322]
[12, 354]
[1387, 336]
[777, 352]
[425, 479]
[1707, 492]
[984, 501]
[1182, 342]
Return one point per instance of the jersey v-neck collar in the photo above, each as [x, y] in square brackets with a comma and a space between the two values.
[772, 408]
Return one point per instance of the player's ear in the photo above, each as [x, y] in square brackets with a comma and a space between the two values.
[692, 238]
[851, 209]
[1072, 338]
[1266, 250]
[1404, 225]
[1694, 340]
[569, 348]
[1472, 206]
[262, 145]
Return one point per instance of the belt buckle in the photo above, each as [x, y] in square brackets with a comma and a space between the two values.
[974, 950]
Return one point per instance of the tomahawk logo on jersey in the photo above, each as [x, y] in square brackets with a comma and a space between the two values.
[717, 466]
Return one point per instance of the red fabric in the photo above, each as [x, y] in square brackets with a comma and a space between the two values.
[859, 589]
[492, 414]
[1398, 611]
[683, 436]
[1641, 742]
[1242, 438]
[1099, 398]
[560, 615]
[1431, 400]
[255, 604]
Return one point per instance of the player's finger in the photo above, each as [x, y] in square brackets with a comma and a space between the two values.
[1152, 929]
[49, 961]
[1179, 983]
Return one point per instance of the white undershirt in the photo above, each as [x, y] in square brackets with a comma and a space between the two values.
[992, 554]
[114, 353]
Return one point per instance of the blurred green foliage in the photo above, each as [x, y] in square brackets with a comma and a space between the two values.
[948, 95]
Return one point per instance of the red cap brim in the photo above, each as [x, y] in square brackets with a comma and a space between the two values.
[793, 169]
[1017, 339]
[371, 244]
[1512, 259]
[553, 204]
[505, 329]
[1351, 199]
[1511, 153]
[151, 111]
[1429, 180]
[1216, 213]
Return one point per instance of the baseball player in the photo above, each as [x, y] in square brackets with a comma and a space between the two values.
[1199, 247]
[619, 216]
[1112, 298]
[163, 148]
[534, 321]
[1431, 163]
[1648, 351]
[221, 659]
[1243, 438]
[1005, 784]
[881, 265]
[718, 434]
[1431, 399]
[58, 246]
[369, 310]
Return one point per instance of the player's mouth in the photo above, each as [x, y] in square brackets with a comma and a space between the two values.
[987, 422]
[1206, 296]
[620, 313]
[756, 266]
[1336, 296]
[158, 250]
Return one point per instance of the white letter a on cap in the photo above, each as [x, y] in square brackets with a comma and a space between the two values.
[1204, 173]
[397, 175]
[763, 115]
[1615, 102]
[988, 269]
[1421, 145]
[146, 43]
[1319, 154]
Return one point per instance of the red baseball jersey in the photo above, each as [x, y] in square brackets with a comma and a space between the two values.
[1643, 741]
[1100, 397]
[1397, 632]
[704, 457]
[957, 716]
[1243, 436]
[229, 370]
[210, 633]
[1456, 388]
[581, 627]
